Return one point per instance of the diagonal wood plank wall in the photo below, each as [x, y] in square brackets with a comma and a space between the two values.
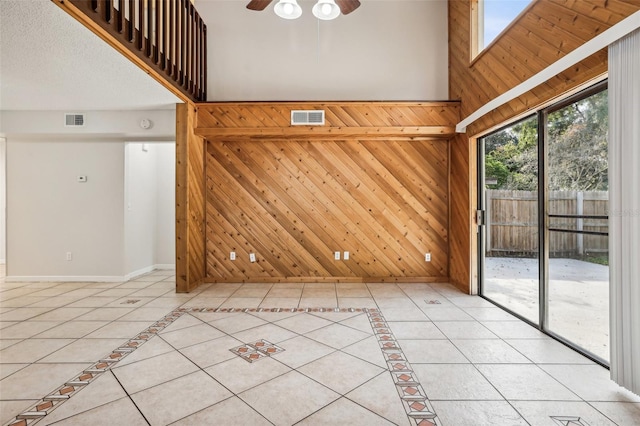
[295, 196]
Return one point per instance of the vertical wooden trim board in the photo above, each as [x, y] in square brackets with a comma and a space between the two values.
[461, 213]
[190, 223]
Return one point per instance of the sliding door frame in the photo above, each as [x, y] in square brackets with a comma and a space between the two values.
[543, 218]
[481, 220]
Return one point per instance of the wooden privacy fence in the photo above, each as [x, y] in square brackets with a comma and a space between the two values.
[512, 222]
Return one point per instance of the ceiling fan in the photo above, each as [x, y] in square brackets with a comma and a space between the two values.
[324, 9]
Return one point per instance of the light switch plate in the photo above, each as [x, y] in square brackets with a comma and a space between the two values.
[232, 255]
[336, 255]
[346, 255]
[252, 257]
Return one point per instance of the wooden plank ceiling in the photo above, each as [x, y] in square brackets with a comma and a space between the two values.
[296, 199]
[547, 31]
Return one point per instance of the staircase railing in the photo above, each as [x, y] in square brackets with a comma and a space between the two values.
[168, 36]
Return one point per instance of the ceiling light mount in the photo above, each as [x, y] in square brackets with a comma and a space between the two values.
[288, 9]
[326, 10]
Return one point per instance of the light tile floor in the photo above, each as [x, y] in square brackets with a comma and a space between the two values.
[137, 353]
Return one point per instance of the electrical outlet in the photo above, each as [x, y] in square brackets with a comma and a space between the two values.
[346, 255]
[427, 257]
[252, 257]
[232, 255]
[336, 255]
[69, 255]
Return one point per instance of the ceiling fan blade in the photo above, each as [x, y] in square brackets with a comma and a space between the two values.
[347, 6]
[258, 4]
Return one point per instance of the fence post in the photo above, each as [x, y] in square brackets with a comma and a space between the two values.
[580, 212]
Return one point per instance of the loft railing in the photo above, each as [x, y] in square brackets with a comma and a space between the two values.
[167, 35]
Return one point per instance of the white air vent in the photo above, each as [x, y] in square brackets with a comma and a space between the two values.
[73, 120]
[307, 118]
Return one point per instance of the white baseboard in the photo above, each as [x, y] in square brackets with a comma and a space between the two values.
[146, 270]
[139, 272]
[90, 279]
[60, 278]
[165, 266]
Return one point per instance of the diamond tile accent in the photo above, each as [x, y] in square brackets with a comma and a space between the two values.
[413, 392]
[389, 346]
[393, 356]
[130, 302]
[424, 422]
[257, 350]
[407, 378]
[433, 302]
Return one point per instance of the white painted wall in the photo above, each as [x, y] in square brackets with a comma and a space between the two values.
[3, 204]
[116, 125]
[140, 208]
[166, 202]
[385, 50]
[49, 213]
[149, 207]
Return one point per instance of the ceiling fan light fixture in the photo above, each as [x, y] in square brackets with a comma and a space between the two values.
[288, 9]
[326, 10]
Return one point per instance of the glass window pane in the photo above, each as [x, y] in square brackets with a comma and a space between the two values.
[510, 276]
[496, 16]
[577, 172]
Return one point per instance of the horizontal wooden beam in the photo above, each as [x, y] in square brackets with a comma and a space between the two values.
[271, 280]
[422, 132]
[323, 104]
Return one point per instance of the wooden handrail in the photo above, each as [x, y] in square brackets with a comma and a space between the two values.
[167, 38]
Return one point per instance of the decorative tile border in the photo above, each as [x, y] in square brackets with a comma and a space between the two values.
[414, 399]
[256, 351]
[411, 393]
[568, 421]
[50, 402]
[251, 310]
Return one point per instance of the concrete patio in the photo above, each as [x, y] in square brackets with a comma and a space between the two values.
[578, 297]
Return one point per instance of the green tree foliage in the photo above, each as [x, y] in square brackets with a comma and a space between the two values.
[577, 148]
[512, 156]
[578, 145]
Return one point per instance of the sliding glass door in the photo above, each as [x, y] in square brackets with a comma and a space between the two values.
[543, 202]
[509, 213]
[577, 204]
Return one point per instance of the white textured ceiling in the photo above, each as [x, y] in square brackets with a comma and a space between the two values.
[48, 61]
